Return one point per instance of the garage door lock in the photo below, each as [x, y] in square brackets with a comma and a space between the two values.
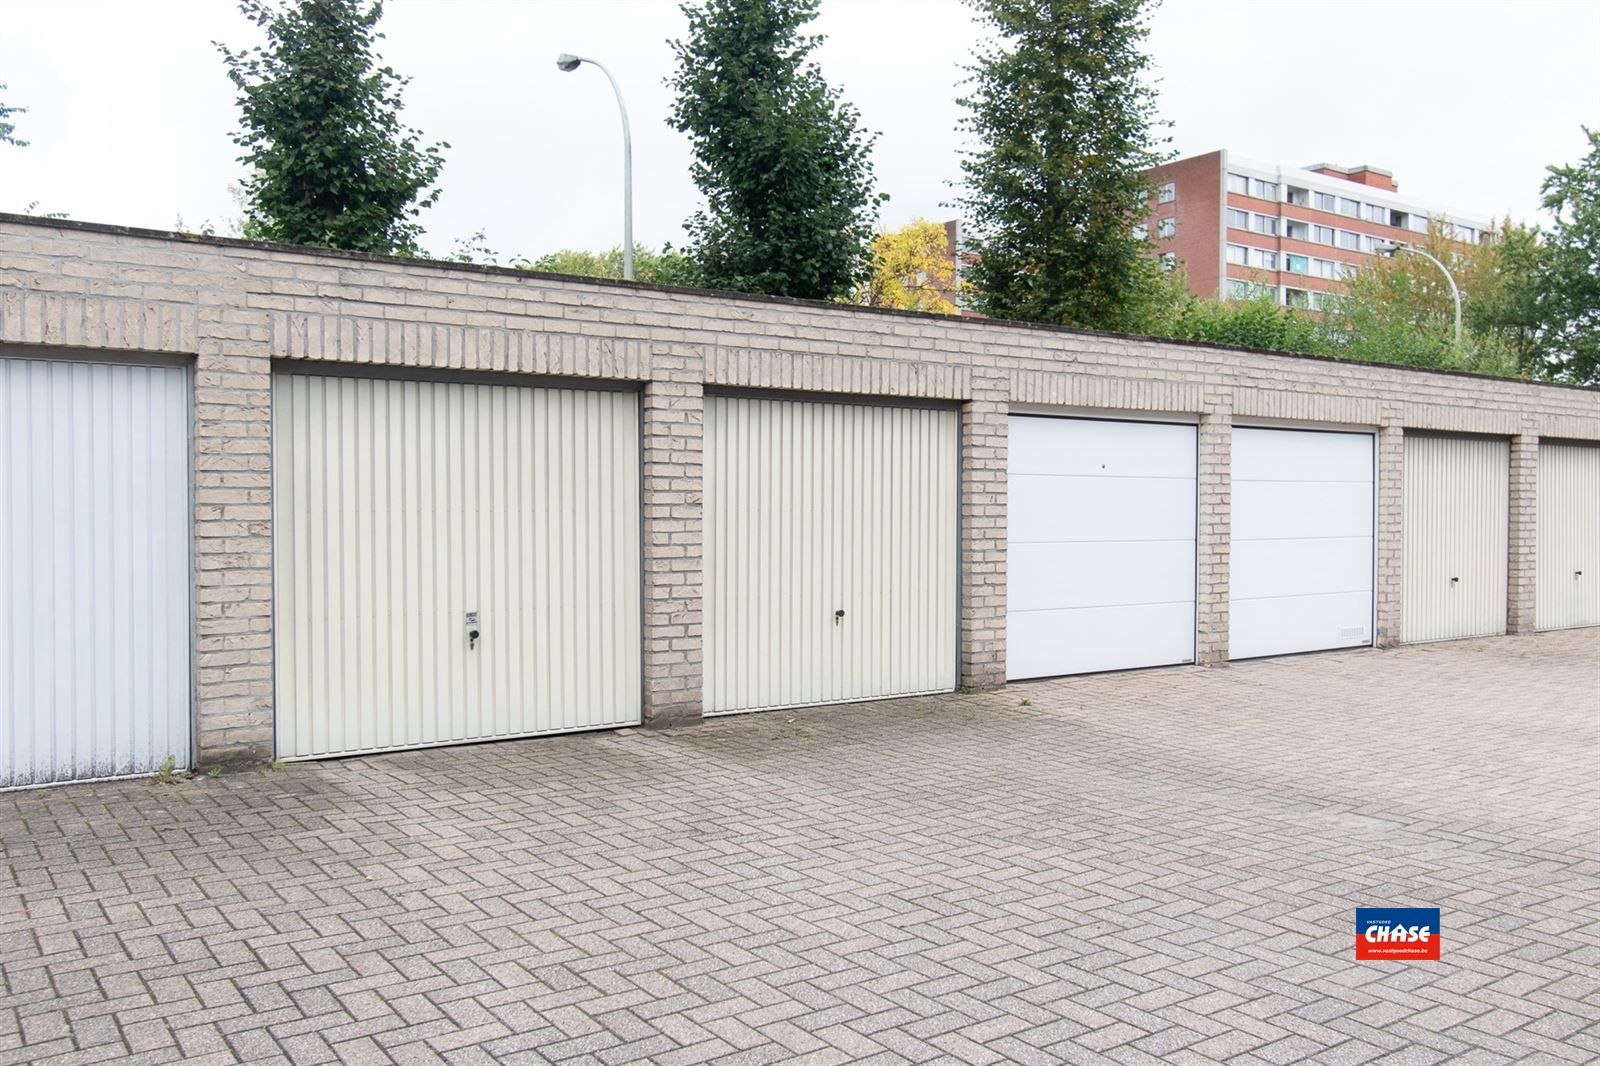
[472, 630]
[838, 616]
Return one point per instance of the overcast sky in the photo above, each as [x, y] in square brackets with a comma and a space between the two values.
[130, 111]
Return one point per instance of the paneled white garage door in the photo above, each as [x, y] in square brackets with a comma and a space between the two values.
[1457, 535]
[1100, 558]
[94, 570]
[830, 541]
[403, 507]
[1568, 591]
[1302, 562]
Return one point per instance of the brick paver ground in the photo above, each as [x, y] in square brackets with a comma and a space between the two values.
[1157, 865]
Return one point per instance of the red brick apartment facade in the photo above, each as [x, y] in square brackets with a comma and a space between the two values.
[1237, 226]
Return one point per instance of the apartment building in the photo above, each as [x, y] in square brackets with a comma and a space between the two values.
[1238, 226]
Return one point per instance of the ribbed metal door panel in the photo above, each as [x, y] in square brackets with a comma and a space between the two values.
[399, 506]
[1301, 562]
[1569, 536]
[94, 570]
[1456, 537]
[1100, 567]
[813, 508]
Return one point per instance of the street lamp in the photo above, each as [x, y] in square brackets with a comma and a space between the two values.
[568, 63]
[1390, 248]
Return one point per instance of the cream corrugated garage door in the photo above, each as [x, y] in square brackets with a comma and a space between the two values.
[1100, 567]
[1456, 537]
[1302, 562]
[830, 552]
[403, 508]
[94, 570]
[1568, 586]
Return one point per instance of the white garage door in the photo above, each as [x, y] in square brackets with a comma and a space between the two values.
[1457, 533]
[94, 570]
[830, 541]
[1569, 536]
[408, 514]
[1100, 558]
[1302, 562]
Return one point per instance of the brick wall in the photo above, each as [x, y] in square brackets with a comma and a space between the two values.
[235, 308]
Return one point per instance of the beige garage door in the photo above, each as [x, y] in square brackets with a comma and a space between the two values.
[830, 540]
[1457, 533]
[1569, 536]
[410, 514]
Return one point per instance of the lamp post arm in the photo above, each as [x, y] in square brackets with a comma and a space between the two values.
[627, 174]
[1455, 293]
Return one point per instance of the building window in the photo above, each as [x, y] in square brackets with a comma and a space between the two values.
[1296, 298]
[1419, 223]
[1239, 183]
[1325, 201]
[1238, 254]
[1367, 244]
[1325, 268]
[1466, 235]
[1350, 207]
[1297, 264]
[1262, 259]
[1239, 289]
[1141, 232]
[1323, 234]
[1378, 213]
[1350, 240]
[1167, 192]
[1399, 220]
[1169, 261]
[1296, 230]
[1264, 224]
[1298, 197]
[1263, 190]
[1238, 219]
[1166, 227]
[1322, 301]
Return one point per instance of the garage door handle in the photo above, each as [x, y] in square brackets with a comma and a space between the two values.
[838, 616]
[1454, 580]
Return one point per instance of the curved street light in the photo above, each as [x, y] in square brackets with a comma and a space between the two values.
[1391, 247]
[568, 63]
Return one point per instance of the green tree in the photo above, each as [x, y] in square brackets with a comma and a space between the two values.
[1569, 278]
[780, 157]
[666, 267]
[1063, 125]
[1256, 322]
[1400, 310]
[330, 162]
[8, 128]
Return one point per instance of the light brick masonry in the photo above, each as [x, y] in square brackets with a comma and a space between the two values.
[236, 308]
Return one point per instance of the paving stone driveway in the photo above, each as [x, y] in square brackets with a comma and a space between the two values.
[1130, 867]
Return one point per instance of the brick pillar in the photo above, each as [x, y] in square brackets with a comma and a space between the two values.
[1522, 593]
[1214, 535]
[983, 533]
[673, 422]
[233, 537]
[1391, 491]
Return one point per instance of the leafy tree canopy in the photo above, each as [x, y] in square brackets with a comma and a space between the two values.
[780, 157]
[913, 269]
[666, 267]
[8, 128]
[1063, 125]
[1400, 310]
[330, 162]
[1569, 278]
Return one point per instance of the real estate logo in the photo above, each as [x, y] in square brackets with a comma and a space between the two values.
[1393, 934]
